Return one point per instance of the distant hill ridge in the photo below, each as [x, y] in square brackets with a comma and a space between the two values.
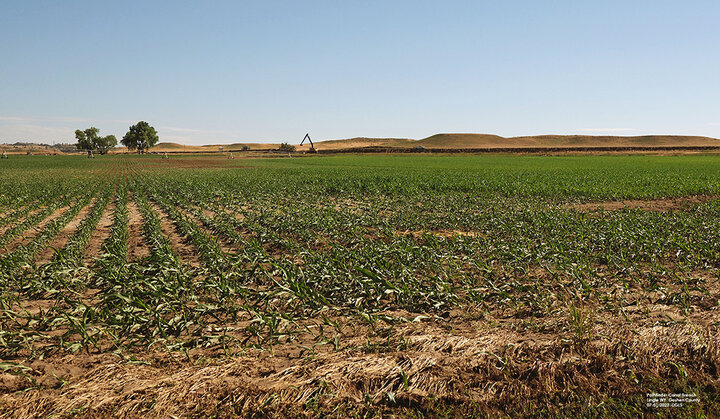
[460, 141]
[537, 141]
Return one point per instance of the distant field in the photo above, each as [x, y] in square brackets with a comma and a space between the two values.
[359, 285]
[175, 147]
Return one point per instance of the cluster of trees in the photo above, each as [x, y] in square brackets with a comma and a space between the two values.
[140, 137]
[286, 147]
[91, 140]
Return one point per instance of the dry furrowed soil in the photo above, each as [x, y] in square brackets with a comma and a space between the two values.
[660, 205]
[186, 252]
[31, 233]
[62, 238]
[222, 241]
[99, 235]
[137, 247]
[22, 217]
[455, 358]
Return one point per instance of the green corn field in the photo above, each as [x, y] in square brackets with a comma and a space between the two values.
[360, 285]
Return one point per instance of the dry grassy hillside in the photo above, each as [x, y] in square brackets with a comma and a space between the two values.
[461, 141]
[445, 141]
[360, 142]
[464, 141]
[615, 141]
[541, 141]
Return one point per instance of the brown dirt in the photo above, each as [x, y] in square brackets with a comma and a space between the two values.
[236, 212]
[33, 232]
[208, 213]
[222, 241]
[462, 357]
[458, 360]
[6, 211]
[659, 205]
[46, 255]
[34, 307]
[30, 213]
[101, 233]
[34, 150]
[137, 247]
[187, 252]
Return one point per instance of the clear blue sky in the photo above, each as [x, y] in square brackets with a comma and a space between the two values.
[228, 71]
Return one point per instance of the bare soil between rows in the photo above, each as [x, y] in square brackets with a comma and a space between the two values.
[63, 236]
[657, 205]
[28, 235]
[187, 252]
[137, 246]
[100, 234]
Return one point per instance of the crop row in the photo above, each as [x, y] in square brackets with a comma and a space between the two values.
[278, 253]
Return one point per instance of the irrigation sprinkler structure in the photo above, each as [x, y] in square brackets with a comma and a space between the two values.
[312, 146]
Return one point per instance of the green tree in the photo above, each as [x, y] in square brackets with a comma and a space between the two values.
[86, 139]
[286, 147]
[140, 137]
[90, 140]
[107, 143]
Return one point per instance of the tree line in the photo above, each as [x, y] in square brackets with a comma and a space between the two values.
[140, 137]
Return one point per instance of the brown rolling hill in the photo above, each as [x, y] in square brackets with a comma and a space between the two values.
[360, 142]
[450, 141]
[471, 141]
[553, 141]
[464, 141]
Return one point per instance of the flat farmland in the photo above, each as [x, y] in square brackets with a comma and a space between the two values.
[359, 285]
